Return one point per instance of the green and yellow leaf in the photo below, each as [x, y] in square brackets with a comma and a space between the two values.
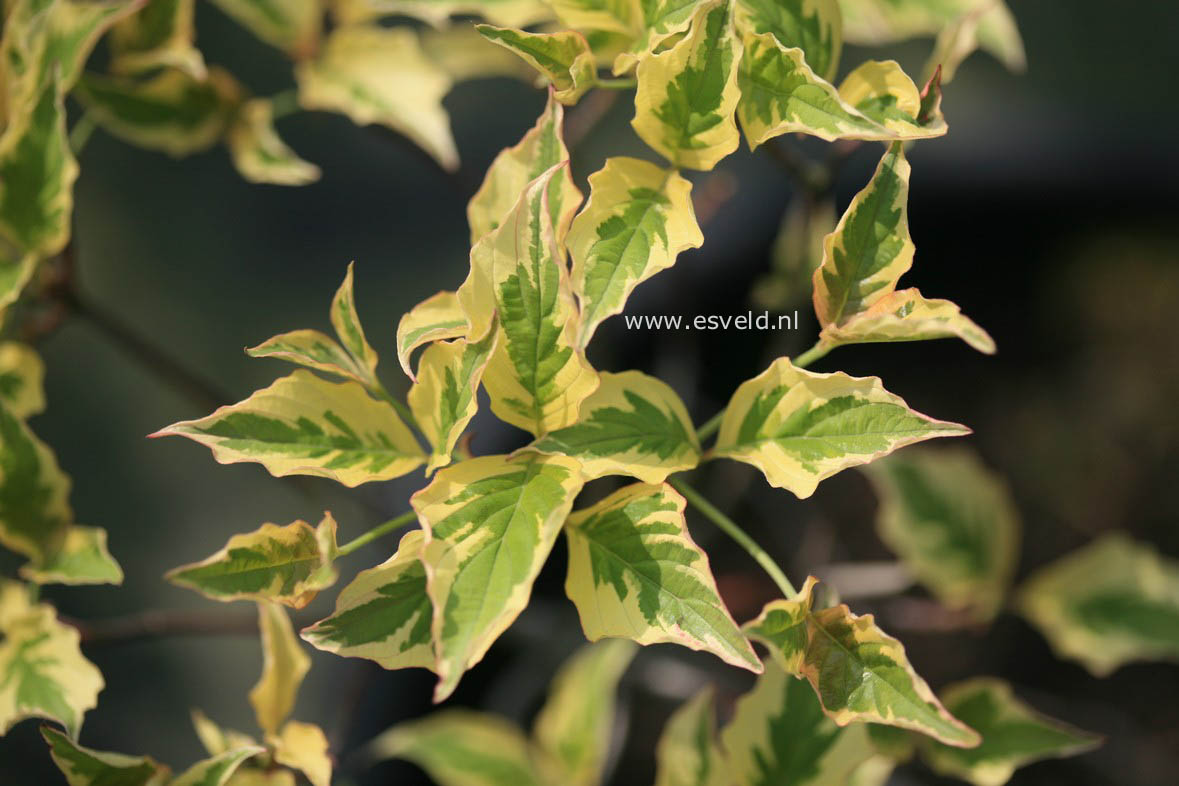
[347, 325]
[953, 524]
[636, 573]
[15, 274]
[216, 739]
[907, 315]
[83, 558]
[632, 424]
[490, 523]
[259, 154]
[378, 75]
[1106, 604]
[572, 732]
[284, 664]
[86, 767]
[883, 92]
[216, 771]
[304, 747]
[293, 26]
[858, 671]
[1013, 734]
[287, 565]
[22, 379]
[443, 398]
[42, 671]
[465, 54]
[638, 219]
[35, 512]
[687, 753]
[436, 318]
[541, 149]
[617, 16]
[159, 35]
[304, 425]
[563, 59]
[384, 614]
[814, 26]
[537, 379]
[687, 95]
[661, 20]
[799, 427]
[779, 735]
[509, 13]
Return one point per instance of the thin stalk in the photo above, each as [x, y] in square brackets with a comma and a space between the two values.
[376, 532]
[284, 103]
[616, 84]
[811, 355]
[710, 427]
[80, 133]
[405, 412]
[730, 527]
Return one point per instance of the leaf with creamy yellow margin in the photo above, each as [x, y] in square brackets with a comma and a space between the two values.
[217, 770]
[907, 315]
[22, 379]
[43, 673]
[443, 398]
[465, 54]
[687, 753]
[617, 16]
[563, 58]
[799, 427]
[537, 378]
[638, 219]
[293, 26]
[632, 424]
[542, 148]
[687, 96]
[859, 672]
[35, 512]
[284, 664]
[814, 26]
[384, 614]
[304, 425]
[572, 732]
[347, 325]
[952, 522]
[215, 739]
[259, 153]
[304, 747]
[82, 559]
[490, 523]
[378, 75]
[885, 93]
[1111, 602]
[15, 274]
[636, 573]
[778, 735]
[436, 318]
[287, 565]
[159, 35]
[86, 767]
[509, 13]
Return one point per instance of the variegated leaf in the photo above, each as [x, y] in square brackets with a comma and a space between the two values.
[304, 747]
[638, 219]
[252, 776]
[635, 572]
[378, 75]
[953, 524]
[814, 26]
[799, 427]
[461, 748]
[83, 558]
[436, 318]
[542, 148]
[35, 512]
[259, 154]
[509, 13]
[217, 740]
[304, 425]
[1013, 734]
[384, 614]
[347, 325]
[443, 399]
[574, 727]
[563, 58]
[687, 96]
[159, 35]
[15, 274]
[490, 523]
[537, 378]
[632, 424]
[687, 753]
[883, 92]
[287, 565]
[1109, 603]
[216, 771]
[907, 315]
[284, 664]
[291, 25]
[465, 54]
[86, 767]
[617, 16]
[170, 111]
[779, 735]
[859, 672]
[22, 379]
[661, 20]
[42, 671]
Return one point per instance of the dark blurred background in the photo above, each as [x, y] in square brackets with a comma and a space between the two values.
[1048, 213]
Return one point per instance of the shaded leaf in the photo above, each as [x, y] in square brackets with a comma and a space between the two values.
[83, 558]
[258, 152]
[35, 513]
[284, 664]
[304, 747]
[687, 753]
[158, 35]
[216, 771]
[510, 13]
[86, 767]
[291, 25]
[22, 379]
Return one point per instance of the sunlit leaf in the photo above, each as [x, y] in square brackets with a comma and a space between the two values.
[687, 95]
[799, 427]
[953, 524]
[284, 664]
[35, 513]
[1013, 734]
[687, 753]
[291, 25]
[258, 152]
[378, 75]
[435, 318]
[287, 565]
[1106, 604]
[304, 425]
[661, 20]
[563, 58]
[86, 767]
[859, 672]
[159, 35]
[83, 558]
[885, 93]
[490, 523]
[22, 379]
[638, 219]
[814, 26]
[635, 572]
[216, 771]
[907, 315]
[304, 747]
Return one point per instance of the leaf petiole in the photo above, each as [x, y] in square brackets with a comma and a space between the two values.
[376, 532]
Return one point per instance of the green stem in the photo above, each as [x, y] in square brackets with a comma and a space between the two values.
[284, 103]
[811, 355]
[730, 527]
[405, 412]
[616, 84]
[710, 427]
[376, 532]
[80, 133]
